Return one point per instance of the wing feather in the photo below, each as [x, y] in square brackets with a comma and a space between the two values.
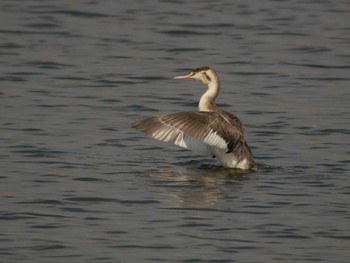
[191, 129]
[191, 143]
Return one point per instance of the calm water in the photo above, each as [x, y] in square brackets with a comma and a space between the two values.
[77, 184]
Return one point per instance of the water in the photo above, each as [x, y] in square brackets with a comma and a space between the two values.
[78, 184]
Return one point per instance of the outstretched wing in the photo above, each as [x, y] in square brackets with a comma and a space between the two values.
[193, 130]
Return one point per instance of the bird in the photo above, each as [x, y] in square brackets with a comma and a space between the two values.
[211, 130]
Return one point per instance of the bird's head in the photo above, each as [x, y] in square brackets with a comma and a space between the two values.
[204, 74]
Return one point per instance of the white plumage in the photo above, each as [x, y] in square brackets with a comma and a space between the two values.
[211, 130]
[192, 144]
[214, 140]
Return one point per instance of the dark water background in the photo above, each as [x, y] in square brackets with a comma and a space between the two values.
[77, 184]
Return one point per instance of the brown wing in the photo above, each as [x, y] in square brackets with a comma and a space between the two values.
[211, 128]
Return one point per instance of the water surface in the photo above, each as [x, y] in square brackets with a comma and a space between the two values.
[78, 184]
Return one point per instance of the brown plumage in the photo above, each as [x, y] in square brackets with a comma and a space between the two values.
[211, 129]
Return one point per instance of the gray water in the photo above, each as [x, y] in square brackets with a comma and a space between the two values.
[78, 184]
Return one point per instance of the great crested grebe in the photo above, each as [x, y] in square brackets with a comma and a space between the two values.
[211, 130]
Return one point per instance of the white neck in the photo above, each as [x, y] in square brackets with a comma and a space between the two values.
[207, 101]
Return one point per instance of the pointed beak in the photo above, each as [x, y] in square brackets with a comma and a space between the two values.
[183, 76]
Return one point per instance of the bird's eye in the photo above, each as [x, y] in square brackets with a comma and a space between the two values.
[206, 76]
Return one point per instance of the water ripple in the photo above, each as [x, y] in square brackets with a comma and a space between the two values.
[79, 184]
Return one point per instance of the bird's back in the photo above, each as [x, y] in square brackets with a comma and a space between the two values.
[241, 150]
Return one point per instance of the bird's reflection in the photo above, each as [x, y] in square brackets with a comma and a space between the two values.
[199, 187]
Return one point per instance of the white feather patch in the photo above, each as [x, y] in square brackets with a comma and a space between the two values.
[214, 140]
[191, 143]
